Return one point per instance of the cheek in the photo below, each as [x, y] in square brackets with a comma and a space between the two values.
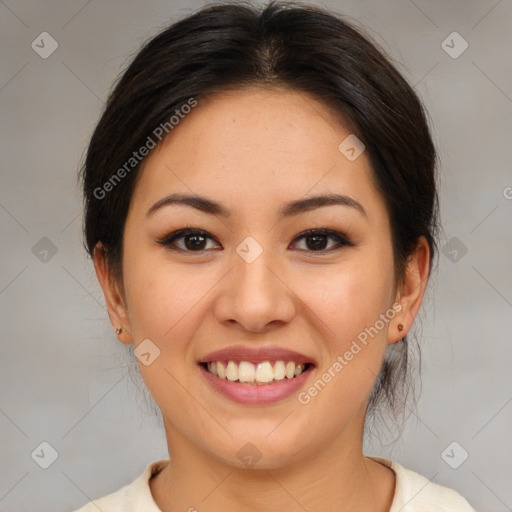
[347, 300]
[351, 300]
[161, 296]
[349, 304]
[165, 305]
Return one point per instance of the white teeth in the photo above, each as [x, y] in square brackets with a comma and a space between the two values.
[279, 370]
[232, 371]
[261, 373]
[290, 370]
[221, 372]
[264, 373]
[246, 372]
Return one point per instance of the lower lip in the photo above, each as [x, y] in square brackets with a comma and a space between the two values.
[256, 394]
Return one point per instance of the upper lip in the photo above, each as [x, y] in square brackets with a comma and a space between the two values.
[257, 355]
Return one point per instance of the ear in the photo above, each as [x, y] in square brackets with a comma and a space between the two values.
[114, 296]
[410, 293]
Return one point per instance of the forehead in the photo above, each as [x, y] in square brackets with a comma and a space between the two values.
[259, 144]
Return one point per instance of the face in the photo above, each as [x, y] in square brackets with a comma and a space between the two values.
[248, 283]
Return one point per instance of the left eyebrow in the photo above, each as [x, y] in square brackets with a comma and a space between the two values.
[311, 203]
[288, 210]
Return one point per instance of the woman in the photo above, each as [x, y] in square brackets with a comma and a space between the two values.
[261, 211]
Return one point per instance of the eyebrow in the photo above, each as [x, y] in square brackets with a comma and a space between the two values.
[290, 209]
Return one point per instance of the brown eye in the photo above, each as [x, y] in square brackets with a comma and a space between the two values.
[190, 240]
[317, 240]
[194, 242]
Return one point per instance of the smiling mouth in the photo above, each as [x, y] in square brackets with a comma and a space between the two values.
[263, 373]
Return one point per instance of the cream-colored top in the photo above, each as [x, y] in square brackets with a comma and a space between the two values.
[413, 493]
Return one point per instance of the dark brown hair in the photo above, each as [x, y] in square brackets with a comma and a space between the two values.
[294, 45]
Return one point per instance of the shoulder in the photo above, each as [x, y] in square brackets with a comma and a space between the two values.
[415, 493]
[133, 497]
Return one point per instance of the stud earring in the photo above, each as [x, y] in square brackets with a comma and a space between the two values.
[400, 327]
[119, 330]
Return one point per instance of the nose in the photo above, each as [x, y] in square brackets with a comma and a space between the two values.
[256, 296]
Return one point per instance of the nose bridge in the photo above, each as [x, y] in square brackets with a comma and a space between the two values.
[255, 283]
[254, 276]
[255, 295]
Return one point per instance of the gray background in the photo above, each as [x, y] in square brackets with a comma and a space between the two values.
[63, 375]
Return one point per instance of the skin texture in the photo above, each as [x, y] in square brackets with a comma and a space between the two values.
[253, 150]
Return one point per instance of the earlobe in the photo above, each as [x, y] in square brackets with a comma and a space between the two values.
[411, 291]
[114, 300]
[397, 330]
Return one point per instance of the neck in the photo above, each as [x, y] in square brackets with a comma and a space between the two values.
[339, 478]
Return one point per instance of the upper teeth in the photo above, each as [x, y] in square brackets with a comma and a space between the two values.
[260, 373]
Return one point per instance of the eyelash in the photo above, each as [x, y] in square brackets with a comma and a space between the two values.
[169, 240]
